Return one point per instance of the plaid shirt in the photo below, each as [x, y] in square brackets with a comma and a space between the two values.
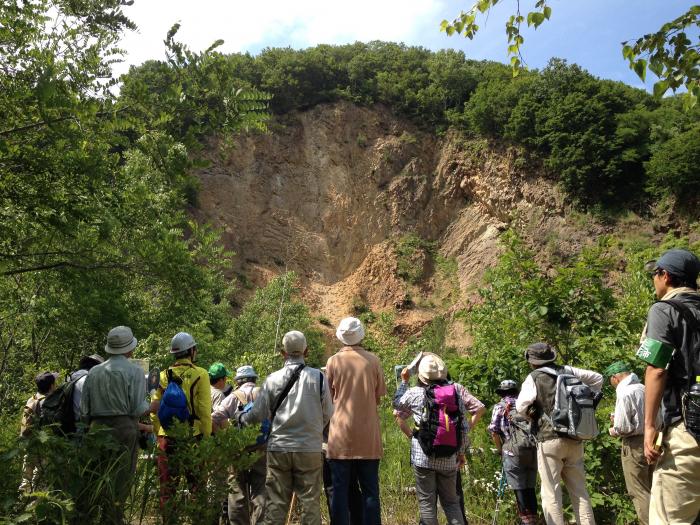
[499, 422]
[409, 401]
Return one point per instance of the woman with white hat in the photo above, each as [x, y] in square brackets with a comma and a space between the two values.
[439, 444]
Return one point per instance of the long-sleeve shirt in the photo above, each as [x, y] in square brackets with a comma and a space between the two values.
[79, 376]
[195, 384]
[230, 405]
[629, 408]
[116, 387]
[409, 401]
[300, 419]
[528, 390]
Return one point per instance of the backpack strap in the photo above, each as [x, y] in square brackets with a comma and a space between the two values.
[320, 390]
[685, 312]
[285, 391]
[242, 398]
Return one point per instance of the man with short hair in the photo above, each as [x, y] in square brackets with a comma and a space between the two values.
[246, 501]
[356, 381]
[558, 457]
[668, 348]
[628, 424]
[298, 405]
[217, 380]
[114, 395]
[194, 382]
[86, 364]
[45, 384]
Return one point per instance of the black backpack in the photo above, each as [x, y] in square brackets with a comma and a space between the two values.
[522, 442]
[56, 410]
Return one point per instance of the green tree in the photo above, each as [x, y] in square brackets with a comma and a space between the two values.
[670, 53]
[673, 167]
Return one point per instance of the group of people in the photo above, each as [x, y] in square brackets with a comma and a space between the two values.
[322, 428]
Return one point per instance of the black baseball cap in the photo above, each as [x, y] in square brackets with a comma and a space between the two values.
[683, 264]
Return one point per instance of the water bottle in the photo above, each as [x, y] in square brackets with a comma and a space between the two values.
[692, 408]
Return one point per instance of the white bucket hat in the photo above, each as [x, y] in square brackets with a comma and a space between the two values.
[120, 340]
[431, 368]
[245, 371]
[350, 331]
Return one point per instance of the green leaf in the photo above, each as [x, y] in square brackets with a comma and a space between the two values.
[640, 67]
[660, 88]
[547, 12]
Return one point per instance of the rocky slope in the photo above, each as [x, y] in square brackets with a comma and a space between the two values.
[330, 192]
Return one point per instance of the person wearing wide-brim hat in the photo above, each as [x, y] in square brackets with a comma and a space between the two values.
[114, 395]
[435, 472]
[519, 466]
[356, 380]
[668, 348]
[628, 424]
[558, 458]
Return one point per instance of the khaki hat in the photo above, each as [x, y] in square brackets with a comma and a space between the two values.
[431, 368]
[120, 340]
[294, 343]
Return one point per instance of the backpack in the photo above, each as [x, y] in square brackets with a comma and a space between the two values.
[692, 367]
[521, 441]
[573, 414]
[440, 430]
[56, 410]
[173, 404]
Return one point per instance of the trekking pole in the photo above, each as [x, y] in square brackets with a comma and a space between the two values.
[290, 514]
[499, 495]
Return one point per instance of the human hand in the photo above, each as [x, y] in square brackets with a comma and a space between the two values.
[461, 460]
[612, 432]
[405, 375]
[651, 453]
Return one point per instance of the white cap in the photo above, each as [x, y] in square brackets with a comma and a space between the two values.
[350, 331]
[181, 343]
[294, 343]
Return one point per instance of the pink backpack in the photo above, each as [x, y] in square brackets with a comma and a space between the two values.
[440, 429]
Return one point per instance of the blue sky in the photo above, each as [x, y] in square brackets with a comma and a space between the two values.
[586, 32]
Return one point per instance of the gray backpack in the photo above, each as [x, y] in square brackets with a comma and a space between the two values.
[573, 414]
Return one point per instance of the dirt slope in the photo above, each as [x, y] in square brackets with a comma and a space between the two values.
[329, 191]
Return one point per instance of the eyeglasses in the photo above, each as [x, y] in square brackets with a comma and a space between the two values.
[655, 272]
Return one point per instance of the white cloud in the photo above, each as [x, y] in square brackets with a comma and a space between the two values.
[249, 25]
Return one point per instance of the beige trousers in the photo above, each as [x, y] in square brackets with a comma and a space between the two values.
[675, 490]
[560, 460]
[293, 472]
[637, 475]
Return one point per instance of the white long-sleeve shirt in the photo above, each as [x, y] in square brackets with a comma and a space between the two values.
[528, 390]
[629, 408]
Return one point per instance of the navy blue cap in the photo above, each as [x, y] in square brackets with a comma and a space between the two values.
[681, 263]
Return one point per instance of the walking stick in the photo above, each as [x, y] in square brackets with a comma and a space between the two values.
[290, 514]
[499, 495]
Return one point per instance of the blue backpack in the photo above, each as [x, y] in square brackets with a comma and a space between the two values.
[173, 404]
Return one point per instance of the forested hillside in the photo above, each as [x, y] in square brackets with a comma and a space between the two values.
[101, 216]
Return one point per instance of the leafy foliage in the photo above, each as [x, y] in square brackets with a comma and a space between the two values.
[670, 54]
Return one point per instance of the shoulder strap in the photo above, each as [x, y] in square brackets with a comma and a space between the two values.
[285, 391]
[684, 310]
[242, 399]
[320, 389]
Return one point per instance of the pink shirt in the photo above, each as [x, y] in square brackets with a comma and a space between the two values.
[356, 380]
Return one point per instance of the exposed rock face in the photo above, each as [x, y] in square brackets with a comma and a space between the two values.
[327, 191]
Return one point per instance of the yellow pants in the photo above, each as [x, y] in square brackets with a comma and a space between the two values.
[675, 489]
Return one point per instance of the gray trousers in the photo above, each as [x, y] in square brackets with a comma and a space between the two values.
[246, 501]
[431, 484]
